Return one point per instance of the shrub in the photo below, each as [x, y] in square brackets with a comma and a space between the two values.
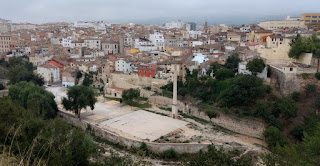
[268, 89]
[317, 75]
[273, 121]
[310, 89]
[211, 114]
[286, 107]
[170, 154]
[1, 86]
[305, 76]
[223, 74]
[295, 96]
[262, 108]
[317, 103]
[144, 147]
[297, 132]
[274, 137]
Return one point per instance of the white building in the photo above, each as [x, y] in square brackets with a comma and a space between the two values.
[67, 79]
[93, 43]
[66, 42]
[122, 66]
[97, 25]
[158, 40]
[194, 34]
[199, 58]
[143, 44]
[174, 24]
[280, 24]
[245, 29]
[50, 73]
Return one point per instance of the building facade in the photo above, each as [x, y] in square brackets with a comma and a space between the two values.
[5, 41]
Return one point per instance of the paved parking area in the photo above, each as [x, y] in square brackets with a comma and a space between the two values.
[144, 125]
[123, 120]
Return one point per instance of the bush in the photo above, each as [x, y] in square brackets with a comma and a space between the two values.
[130, 94]
[305, 76]
[144, 147]
[268, 89]
[262, 108]
[285, 107]
[223, 74]
[211, 114]
[295, 96]
[317, 75]
[273, 121]
[317, 103]
[274, 137]
[297, 132]
[1, 86]
[170, 154]
[310, 89]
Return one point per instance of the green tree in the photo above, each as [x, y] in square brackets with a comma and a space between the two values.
[295, 96]
[263, 108]
[28, 95]
[19, 73]
[285, 107]
[232, 62]
[223, 74]
[87, 81]
[256, 66]
[130, 94]
[211, 114]
[310, 89]
[242, 90]
[298, 45]
[297, 132]
[2, 86]
[214, 67]
[79, 97]
[273, 137]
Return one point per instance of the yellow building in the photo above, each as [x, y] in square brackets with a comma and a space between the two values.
[310, 18]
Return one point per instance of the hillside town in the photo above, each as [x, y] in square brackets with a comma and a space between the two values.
[170, 87]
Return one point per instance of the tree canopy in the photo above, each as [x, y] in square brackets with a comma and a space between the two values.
[243, 89]
[79, 97]
[36, 141]
[130, 94]
[34, 98]
[301, 45]
[223, 74]
[232, 62]
[256, 66]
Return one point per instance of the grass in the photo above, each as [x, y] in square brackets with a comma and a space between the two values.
[159, 113]
[138, 104]
[111, 98]
[194, 118]
[166, 109]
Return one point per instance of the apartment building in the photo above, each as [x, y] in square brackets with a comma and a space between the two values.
[5, 41]
[310, 18]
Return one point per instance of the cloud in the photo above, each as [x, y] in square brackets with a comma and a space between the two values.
[151, 11]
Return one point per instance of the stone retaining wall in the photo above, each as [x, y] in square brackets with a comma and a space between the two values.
[249, 127]
[152, 146]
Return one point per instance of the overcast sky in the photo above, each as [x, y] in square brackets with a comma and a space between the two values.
[154, 11]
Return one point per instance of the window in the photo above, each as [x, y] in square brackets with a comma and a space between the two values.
[314, 16]
[314, 20]
[308, 16]
[291, 69]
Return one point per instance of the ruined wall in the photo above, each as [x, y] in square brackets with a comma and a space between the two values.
[288, 83]
[152, 146]
[250, 127]
[132, 80]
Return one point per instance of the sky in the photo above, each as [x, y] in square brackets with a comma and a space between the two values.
[230, 12]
